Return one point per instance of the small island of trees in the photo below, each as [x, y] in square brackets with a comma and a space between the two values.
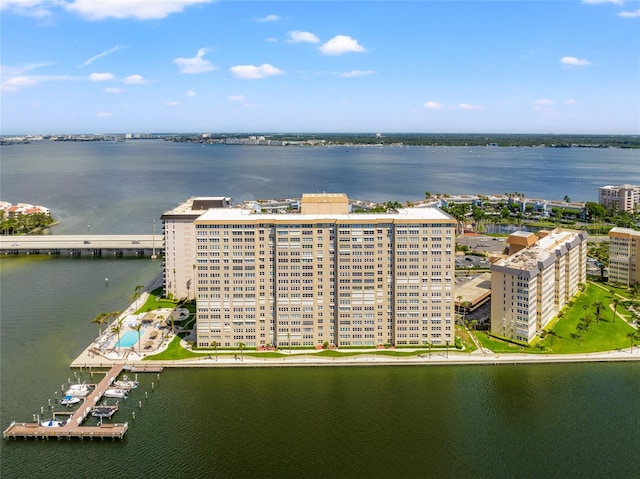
[24, 223]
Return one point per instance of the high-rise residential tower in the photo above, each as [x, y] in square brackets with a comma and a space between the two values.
[323, 275]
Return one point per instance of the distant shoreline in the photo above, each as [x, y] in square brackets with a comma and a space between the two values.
[354, 139]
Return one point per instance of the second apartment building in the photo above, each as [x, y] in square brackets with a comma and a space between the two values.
[538, 277]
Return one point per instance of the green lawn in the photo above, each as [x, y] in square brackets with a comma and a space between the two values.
[156, 302]
[176, 352]
[606, 335]
[499, 346]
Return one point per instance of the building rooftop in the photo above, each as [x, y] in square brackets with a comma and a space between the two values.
[543, 253]
[198, 205]
[241, 214]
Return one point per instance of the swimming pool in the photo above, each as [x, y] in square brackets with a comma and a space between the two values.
[128, 339]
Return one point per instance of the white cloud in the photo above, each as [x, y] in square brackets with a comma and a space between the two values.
[104, 114]
[252, 72]
[570, 101]
[631, 14]
[101, 76]
[268, 18]
[172, 103]
[138, 9]
[271, 40]
[6, 70]
[593, 2]
[113, 90]
[30, 8]
[580, 62]
[191, 93]
[469, 106]
[302, 37]
[341, 44]
[544, 102]
[134, 80]
[12, 84]
[356, 73]
[237, 98]
[99, 55]
[17, 77]
[433, 105]
[196, 64]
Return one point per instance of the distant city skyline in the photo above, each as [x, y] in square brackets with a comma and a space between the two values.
[83, 66]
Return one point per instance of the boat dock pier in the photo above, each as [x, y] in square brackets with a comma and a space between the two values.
[73, 428]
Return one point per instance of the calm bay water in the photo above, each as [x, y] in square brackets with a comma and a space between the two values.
[506, 421]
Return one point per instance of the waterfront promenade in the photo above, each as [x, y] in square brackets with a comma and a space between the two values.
[311, 358]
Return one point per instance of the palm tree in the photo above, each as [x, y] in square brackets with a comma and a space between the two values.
[136, 293]
[99, 319]
[598, 306]
[116, 329]
[241, 346]
[137, 328]
[289, 340]
[581, 328]
[112, 314]
[215, 348]
[632, 335]
[615, 302]
[553, 334]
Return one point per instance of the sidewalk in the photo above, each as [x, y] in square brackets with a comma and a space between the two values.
[310, 358]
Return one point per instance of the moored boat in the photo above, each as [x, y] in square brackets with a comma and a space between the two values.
[104, 411]
[70, 400]
[125, 384]
[52, 423]
[116, 393]
[78, 391]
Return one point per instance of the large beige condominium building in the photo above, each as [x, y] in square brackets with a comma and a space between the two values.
[179, 244]
[530, 286]
[324, 275]
[624, 256]
[624, 197]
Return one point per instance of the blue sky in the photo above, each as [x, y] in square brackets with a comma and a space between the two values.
[89, 66]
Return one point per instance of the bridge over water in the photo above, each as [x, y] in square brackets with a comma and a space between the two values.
[76, 245]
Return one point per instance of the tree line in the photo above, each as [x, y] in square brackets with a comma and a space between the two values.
[23, 223]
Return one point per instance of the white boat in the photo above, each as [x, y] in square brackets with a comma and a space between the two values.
[125, 383]
[78, 390]
[70, 400]
[116, 393]
[78, 386]
[52, 423]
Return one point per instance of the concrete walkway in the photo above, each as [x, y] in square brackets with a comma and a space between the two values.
[310, 358]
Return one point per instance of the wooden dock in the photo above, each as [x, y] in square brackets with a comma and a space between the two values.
[73, 428]
[151, 368]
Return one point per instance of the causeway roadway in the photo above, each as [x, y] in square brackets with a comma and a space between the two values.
[81, 244]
